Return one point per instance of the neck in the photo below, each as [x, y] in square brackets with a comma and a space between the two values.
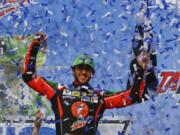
[76, 84]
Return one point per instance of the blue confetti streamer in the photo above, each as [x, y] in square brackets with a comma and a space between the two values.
[10, 34]
[170, 13]
[120, 80]
[177, 16]
[167, 56]
[121, 133]
[46, 14]
[124, 17]
[18, 74]
[162, 19]
[38, 103]
[166, 97]
[22, 107]
[167, 129]
[174, 107]
[163, 66]
[130, 114]
[177, 25]
[14, 16]
[152, 110]
[22, 95]
[16, 102]
[44, 4]
[153, 98]
[111, 22]
[93, 20]
[22, 85]
[26, 12]
[165, 4]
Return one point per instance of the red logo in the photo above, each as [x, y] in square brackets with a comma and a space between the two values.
[170, 80]
[79, 109]
[78, 124]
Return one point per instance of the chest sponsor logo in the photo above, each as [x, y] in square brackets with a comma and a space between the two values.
[76, 93]
[80, 109]
[84, 93]
[66, 92]
[84, 96]
[94, 99]
[86, 99]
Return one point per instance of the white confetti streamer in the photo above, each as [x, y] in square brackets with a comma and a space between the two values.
[106, 15]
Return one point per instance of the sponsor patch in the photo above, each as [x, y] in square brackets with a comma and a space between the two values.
[66, 92]
[78, 124]
[76, 94]
[86, 98]
[94, 99]
[79, 109]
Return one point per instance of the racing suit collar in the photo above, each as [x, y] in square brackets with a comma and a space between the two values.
[73, 86]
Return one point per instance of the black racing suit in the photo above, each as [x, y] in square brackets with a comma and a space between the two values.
[77, 109]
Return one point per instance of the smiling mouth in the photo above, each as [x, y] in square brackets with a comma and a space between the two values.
[82, 77]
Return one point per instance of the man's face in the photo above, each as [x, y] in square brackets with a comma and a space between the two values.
[82, 74]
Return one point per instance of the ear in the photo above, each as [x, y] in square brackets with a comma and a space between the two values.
[92, 74]
[73, 68]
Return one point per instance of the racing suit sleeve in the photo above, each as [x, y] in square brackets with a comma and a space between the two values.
[29, 72]
[128, 97]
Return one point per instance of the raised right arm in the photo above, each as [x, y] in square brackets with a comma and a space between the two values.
[29, 72]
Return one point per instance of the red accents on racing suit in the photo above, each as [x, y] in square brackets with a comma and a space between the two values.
[97, 112]
[119, 100]
[60, 109]
[42, 87]
[141, 88]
